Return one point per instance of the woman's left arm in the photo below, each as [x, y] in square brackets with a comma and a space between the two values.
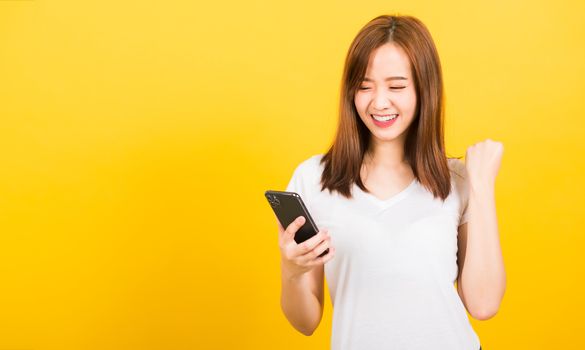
[482, 278]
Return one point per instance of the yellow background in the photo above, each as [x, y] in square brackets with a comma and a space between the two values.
[137, 139]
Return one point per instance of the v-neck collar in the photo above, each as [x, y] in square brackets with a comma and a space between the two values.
[388, 202]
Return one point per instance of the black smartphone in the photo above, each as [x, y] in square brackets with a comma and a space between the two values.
[288, 206]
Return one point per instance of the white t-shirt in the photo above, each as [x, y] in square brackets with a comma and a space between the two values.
[392, 278]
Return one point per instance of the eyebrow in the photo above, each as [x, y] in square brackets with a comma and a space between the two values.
[387, 79]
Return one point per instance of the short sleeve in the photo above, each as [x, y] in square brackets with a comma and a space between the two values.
[459, 174]
[296, 183]
[302, 180]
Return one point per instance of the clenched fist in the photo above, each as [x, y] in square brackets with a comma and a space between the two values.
[482, 162]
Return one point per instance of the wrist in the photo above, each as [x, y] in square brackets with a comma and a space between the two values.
[481, 187]
[288, 274]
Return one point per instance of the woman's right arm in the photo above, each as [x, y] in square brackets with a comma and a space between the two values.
[302, 276]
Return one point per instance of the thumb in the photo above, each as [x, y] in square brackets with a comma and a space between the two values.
[294, 226]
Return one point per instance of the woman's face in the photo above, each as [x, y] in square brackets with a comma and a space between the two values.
[387, 92]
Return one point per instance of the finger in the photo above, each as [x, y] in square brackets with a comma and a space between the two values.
[310, 244]
[322, 260]
[293, 228]
[313, 254]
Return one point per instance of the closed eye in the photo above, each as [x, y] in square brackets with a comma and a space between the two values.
[392, 88]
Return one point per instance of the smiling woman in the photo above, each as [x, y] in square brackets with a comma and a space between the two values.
[396, 211]
[383, 68]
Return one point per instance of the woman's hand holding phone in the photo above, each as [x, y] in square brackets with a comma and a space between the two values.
[298, 259]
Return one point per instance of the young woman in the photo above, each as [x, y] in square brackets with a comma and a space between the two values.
[403, 222]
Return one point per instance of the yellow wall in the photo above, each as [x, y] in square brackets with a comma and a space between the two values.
[137, 139]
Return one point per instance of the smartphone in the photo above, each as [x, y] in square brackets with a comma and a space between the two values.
[288, 206]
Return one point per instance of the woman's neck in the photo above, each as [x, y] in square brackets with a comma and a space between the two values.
[386, 155]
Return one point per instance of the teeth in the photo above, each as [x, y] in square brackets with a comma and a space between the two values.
[384, 118]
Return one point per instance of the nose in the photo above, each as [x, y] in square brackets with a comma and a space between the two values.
[381, 100]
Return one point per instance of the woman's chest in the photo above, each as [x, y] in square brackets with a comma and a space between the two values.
[410, 235]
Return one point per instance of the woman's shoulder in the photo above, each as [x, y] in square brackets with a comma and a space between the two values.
[457, 166]
[311, 165]
[458, 177]
[306, 177]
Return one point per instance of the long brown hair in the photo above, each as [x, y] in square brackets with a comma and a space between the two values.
[424, 147]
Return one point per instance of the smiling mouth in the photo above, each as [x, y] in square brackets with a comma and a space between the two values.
[384, 117]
